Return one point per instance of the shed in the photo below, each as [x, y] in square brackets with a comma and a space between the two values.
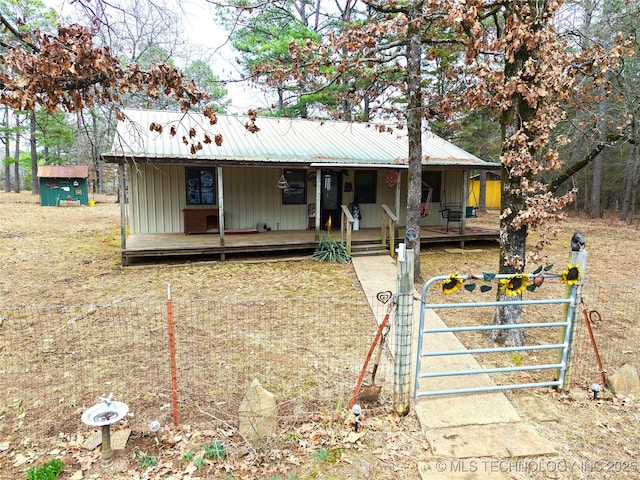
[492, 191]
[63, 183]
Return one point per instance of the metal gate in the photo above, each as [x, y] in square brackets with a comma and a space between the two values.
[424, 351]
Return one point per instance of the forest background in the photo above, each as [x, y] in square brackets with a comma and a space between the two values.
[603, 133]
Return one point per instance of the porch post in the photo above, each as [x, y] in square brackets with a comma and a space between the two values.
[465, 193]
[398, 185]
[318, 184]
[123, 220]
[221, 209]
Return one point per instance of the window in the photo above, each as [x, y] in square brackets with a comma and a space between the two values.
[200, 186]
[431, 180]
[365, 186]
[297, 192]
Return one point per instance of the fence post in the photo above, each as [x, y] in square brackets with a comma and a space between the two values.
[172, 353]
[402, 373]
[577, 257]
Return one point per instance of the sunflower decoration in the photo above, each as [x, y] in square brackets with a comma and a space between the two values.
[571, 275]
[451, 284]
[514, 285]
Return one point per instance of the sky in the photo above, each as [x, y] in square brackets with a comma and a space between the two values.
[201, 31]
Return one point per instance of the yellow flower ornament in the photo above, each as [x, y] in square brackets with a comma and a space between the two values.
[514, 285]
[571, 276]
[451, 284]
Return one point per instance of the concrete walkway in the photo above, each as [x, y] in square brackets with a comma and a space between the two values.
[464, 426]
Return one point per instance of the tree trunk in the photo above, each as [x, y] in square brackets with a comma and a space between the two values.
[35, 185]
[280, 99]
[79, 153]
[98, 179]
[482, 194]
[512, 240]
[7, 152]
[366, 111]
[414, 131]
[512, 245]
[630, 172]
[596, 188]
[595, 201]
[16, 165]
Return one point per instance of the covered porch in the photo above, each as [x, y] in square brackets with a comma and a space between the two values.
[289, 242]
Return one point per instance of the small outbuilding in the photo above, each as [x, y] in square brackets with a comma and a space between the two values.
[493, 186]
[67, 184]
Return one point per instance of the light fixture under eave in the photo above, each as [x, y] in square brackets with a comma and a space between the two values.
[327, 182]
[282, 183]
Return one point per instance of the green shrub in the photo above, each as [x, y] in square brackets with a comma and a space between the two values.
[321, 455]
[214, 451]
[49, 471]
[145, 460]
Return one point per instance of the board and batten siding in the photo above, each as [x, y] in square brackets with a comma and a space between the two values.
[251, 196]
[158, 193]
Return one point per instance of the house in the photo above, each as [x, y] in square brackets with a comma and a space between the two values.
[288, 175]
[61, 185]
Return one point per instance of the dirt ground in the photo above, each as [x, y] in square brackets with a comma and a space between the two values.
[58, 256]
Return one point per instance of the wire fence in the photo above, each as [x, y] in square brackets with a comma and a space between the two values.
[613, 310]
[58, 360]
[309, 352]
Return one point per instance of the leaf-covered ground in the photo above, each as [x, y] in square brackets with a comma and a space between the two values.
[53, 256]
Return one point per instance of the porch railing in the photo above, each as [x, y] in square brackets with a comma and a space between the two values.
[346, 227]
[388, 226]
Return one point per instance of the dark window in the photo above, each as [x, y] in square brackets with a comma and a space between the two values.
[296, 193]
[201, 189]
[365, 186]
[431, 180]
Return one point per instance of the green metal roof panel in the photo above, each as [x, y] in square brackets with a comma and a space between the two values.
[279, 141]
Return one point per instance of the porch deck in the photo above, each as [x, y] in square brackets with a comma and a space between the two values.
[139, 246]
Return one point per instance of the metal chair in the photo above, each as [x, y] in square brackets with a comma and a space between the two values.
[453, 214]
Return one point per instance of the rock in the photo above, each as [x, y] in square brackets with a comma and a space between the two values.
[579, 394]
[258, 415]
[624, 381]
[93, 441]
[119, 438]
[365, 469]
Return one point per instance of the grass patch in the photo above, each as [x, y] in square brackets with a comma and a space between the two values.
[49, 471]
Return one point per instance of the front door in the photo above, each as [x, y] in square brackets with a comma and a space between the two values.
[330, 199]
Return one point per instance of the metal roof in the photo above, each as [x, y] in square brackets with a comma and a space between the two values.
[63, 171]
[280, 141]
